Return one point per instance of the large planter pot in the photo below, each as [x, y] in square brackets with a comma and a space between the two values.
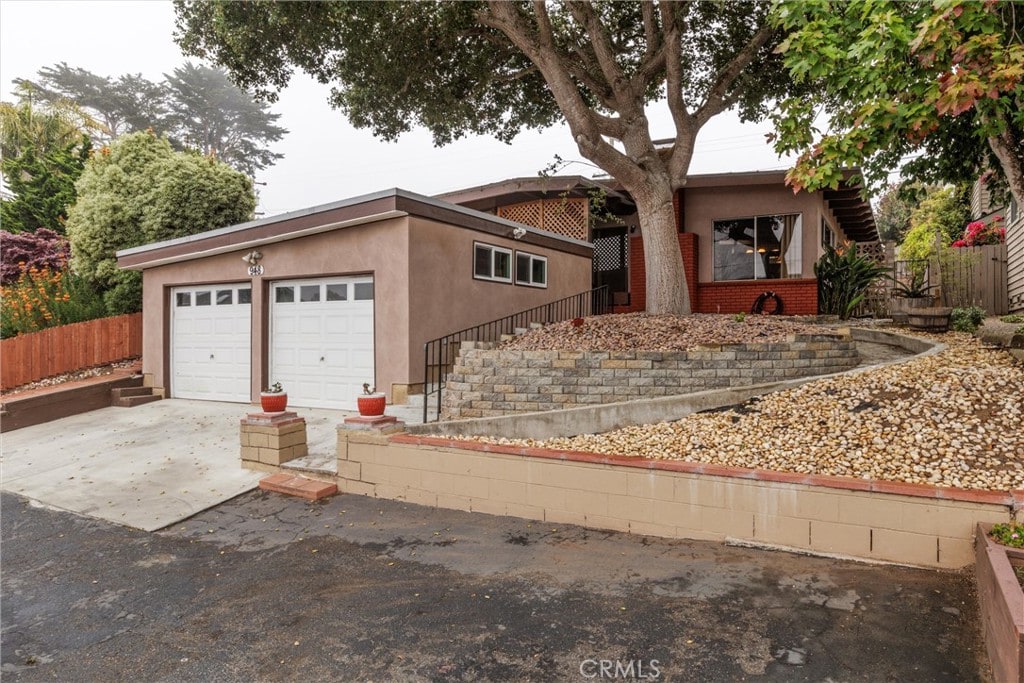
[371, 405]
[274, 403]
[1002, 605]
[929, 319]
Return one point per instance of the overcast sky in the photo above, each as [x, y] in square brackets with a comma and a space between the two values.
[325, 159]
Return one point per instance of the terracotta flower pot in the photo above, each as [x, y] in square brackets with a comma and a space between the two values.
[371, 405]
[273, 403]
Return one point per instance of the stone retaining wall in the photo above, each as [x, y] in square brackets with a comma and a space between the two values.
[487, 382]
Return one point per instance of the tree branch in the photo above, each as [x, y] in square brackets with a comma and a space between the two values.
[716, 101]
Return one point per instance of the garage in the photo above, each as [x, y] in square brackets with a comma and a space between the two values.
[211, 352]
[321, 340]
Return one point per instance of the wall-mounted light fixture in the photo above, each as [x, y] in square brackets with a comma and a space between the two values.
[253, 257]
[518, 233]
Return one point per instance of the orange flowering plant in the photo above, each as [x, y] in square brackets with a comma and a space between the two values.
[44, 297]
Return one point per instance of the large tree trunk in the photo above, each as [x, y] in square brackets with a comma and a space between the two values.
[667, 289]
[1007, 147]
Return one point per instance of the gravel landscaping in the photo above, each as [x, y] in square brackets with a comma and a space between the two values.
[955, 418]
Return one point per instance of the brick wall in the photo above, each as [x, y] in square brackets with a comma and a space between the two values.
[799, 296]
[487, 382]
[872, 520]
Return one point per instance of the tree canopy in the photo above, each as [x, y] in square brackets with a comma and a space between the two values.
[496, 68]
[196, 107]
[139, 190]
[941, 80]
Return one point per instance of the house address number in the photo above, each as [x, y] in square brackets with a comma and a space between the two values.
[256, 271]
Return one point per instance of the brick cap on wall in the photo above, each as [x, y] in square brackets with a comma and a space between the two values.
[1014, 499]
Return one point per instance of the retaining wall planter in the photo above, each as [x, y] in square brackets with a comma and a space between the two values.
[488, 382]
[1002, 605]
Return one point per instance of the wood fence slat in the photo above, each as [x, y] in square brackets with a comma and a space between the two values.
[57, 350]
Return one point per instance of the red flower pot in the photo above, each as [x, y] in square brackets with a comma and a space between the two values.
[371, 405]
[273, 403]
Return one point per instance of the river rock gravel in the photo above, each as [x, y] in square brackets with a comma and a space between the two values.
[955, 418]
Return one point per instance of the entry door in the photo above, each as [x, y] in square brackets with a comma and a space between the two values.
[321, 346]
[211, 354]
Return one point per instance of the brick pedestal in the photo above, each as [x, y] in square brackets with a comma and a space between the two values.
[273, 439]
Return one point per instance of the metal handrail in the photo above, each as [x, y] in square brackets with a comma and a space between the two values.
[439, 354]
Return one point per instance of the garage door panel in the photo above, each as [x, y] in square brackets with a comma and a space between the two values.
[340, 331]
[210, 345]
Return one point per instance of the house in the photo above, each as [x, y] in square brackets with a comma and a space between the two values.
[741, 234]
[327, 298]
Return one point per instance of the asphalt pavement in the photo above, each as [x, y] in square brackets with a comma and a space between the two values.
[269, 588]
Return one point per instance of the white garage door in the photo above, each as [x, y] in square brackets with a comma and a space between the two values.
[211, 355]
[321, 335]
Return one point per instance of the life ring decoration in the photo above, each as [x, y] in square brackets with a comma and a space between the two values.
[765, 297]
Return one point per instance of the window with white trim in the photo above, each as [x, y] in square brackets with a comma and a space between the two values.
[492, 263]
[531, 270]
[828, 236]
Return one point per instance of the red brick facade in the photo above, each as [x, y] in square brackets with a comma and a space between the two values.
[799, 297]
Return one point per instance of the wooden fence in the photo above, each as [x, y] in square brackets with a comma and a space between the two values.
[54, 351]
[976, 276]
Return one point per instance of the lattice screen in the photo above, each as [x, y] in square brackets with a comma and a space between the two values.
[610, 252]
[568, 216]
[876, 250]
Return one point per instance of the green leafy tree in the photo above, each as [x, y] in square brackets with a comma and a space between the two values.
[940, 79]
[122, 105]
[139, 190]
[206, 111]
[43, 186]
[943, 211]
[893, 209]
[196, 107]
[496, 68]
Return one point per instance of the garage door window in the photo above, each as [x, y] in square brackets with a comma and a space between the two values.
[284, 295]
[183, 299]
[363, 291]
[337, 292]
[202, 298]
[245, 296]
[225, 297]
[309, 293]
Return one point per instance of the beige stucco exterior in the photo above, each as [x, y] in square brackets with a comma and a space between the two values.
[422, 268]
[763, 195]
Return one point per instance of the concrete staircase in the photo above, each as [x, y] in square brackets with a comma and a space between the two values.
[129, 397]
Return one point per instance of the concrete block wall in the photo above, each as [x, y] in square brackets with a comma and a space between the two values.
[488, 382]
[884, 521]
[272, 440]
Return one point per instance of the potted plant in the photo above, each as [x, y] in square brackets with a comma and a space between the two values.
[371, 403]
[915, 293]
[274, 399]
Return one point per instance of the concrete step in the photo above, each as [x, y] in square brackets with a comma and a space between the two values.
[293, 485]
[536, 326]
[122, 392]
[520, 330]
[507, 337]
[132, 401]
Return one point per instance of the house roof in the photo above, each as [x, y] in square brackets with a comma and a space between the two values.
[360, 210]
[516, 190]
[851, 210]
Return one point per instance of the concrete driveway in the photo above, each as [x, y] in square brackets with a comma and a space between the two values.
[144, 467]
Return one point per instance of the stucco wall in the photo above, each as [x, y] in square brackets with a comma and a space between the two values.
[423, 289]
[702, 206]
[445, 298]
[380, 249]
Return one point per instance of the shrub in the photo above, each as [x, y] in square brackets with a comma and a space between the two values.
[844, 277]
[22, 250]
[980, 233]
[45, 297]
[1013, 318]
[1008, 534]
[967, 319]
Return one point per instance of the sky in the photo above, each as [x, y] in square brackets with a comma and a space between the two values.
[325, 158]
